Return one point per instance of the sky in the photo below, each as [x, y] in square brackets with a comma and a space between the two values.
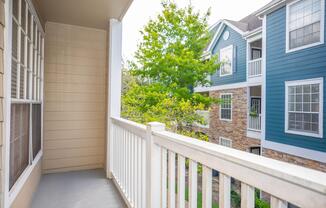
[141, 11]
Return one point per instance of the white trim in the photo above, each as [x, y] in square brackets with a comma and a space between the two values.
[263, 93]
[222, 87]
[216, 35]
[322, 20]
[252, 34]
[114, 86]
[219, 32]
[11, 194]
[296, 151]
[7, 100]
[270, 8]
[15, 190]
[220, 114]
[321, 101]
[226, 139]
[230, 47]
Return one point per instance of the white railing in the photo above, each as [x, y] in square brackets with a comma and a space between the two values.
[149, 165]
[254, 123]
[254, 67]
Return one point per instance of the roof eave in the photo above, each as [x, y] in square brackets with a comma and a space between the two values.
[253, 32]
[266, 10]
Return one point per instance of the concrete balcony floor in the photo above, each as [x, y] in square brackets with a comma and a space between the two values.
[79, 189]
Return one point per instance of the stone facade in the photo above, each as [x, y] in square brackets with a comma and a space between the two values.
[236, 129]
[294, 160]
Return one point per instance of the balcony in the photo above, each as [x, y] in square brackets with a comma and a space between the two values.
[255, 68]
[135, 165]
[254, 123]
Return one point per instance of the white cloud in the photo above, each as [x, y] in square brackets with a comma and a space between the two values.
[142, 10]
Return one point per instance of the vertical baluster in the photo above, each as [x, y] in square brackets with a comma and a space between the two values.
[123, 159]
[113, 149]
[224, 191]
[247, 196]
[164, 169]
[136, 172]
[278, 203]
[128, 165]
[192, 184]
[143, 173]
[119, 153]
[181, 181]
[139, 189]
[171, 188]
[207, 187]
[132, 182]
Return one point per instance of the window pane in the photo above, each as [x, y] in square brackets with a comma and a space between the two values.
[23, 15]
[14, 39]
[22, 83]
[226, 56]
[22, 49]
[19, 141]
[303, 108]
[14, 79]
[304, 23]
[15, 8]
[36, 128]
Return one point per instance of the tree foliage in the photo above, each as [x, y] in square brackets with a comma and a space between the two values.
[168, 64]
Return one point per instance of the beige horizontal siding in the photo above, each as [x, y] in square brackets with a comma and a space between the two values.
[75, 98]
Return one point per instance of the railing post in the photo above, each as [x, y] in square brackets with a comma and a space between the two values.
[153, 167]
[278, 203]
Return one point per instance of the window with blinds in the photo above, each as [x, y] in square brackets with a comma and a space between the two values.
[26, 88]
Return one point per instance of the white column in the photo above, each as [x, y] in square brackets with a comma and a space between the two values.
[114, 85]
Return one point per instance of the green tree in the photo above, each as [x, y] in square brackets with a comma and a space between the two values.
[168, 65]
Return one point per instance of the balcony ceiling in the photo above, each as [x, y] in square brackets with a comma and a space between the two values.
[88, 13]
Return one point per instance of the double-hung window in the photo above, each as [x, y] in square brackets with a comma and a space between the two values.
[305, 24]
[26, 89]
[304, 107]
[226, 107]
[226, 59]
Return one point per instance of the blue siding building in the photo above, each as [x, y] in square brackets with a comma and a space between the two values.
[281, 66]
[239, 59]
[273, 70]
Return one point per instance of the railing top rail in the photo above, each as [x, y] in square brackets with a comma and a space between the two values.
[304, 177]
[133, 127]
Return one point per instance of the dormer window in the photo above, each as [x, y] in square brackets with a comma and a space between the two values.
[305, 24]
[226, 59]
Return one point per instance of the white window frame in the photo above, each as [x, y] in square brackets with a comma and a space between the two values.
[322, 30]
[221, 51]
[11, 194]
[321, 101]
[226, 139]
[223, 119]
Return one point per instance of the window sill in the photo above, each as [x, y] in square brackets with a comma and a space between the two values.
[303, 47]
[15, 190]
[304, 134]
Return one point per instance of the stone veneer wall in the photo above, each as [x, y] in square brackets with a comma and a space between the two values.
[236, 130]
[2, 25]
[294, 159]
